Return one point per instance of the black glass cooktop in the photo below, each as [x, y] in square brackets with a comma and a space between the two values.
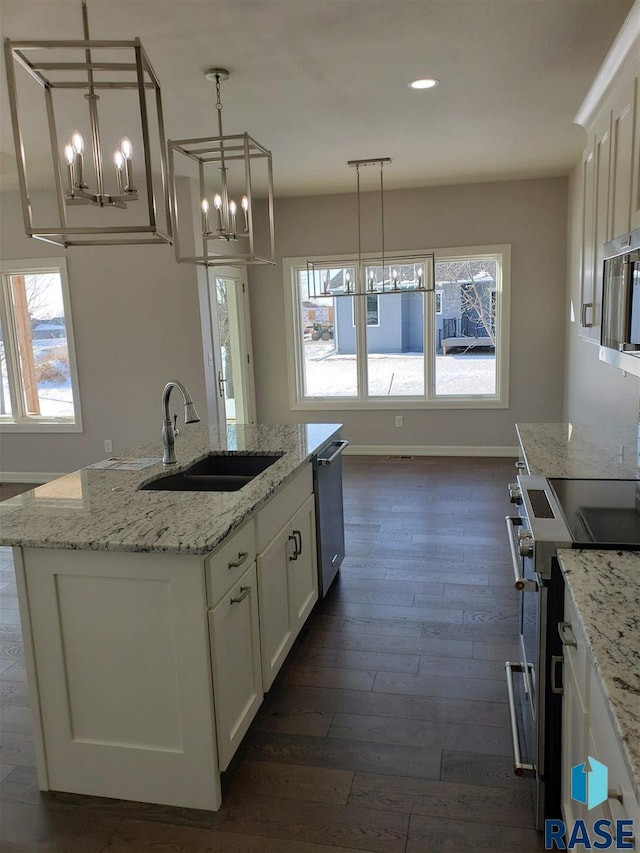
[601, 512]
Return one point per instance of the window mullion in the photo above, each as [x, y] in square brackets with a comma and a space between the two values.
[360, 313]
[428, 344]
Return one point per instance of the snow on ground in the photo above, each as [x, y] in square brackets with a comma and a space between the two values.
[330, 374]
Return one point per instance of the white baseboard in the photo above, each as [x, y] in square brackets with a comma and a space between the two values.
[429, 450]
[29, 476]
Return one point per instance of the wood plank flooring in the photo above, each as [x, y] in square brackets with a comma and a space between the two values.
[386, 730]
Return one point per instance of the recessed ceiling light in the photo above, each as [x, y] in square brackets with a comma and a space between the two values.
[424, 83]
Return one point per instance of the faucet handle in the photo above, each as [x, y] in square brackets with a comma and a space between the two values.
[176, 431]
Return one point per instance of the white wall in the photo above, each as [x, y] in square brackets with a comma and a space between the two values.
[136, 321]
[530, 215]
[595, 392]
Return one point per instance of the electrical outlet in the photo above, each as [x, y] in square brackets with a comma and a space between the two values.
[108, 445]
[399, 421]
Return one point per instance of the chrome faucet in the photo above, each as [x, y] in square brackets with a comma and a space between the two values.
[170, 431]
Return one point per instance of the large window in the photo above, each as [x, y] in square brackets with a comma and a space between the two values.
[442, 348]
[38, 387]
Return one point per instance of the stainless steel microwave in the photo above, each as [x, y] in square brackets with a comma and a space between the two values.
[620, 330]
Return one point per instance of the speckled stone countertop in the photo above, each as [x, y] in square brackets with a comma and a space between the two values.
[103, 510]
[605, 587]
[579, 450]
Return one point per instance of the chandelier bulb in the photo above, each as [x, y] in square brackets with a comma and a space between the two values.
[77, 142]
[205, 206]
[233, 207]
[118, 159]
[245, 203]
[126, 147]
[69, 154]
[217, 201]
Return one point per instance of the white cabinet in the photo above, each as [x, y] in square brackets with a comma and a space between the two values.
[610, 171]
[575, 734]
[588, 730]
[587, 297]
[621, 803]
[623, 127]
[287, 571]
[303, 567]
[119, 666]
[276, 628]
[235, 661]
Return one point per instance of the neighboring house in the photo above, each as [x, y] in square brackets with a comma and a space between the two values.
[394, 321]
[46, 329]
[315, 312]
[460, 308]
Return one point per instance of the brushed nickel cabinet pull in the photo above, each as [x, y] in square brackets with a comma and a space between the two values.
[244, 590]
[583, 315]
[294, 556]
[242, 556]
[298, 537]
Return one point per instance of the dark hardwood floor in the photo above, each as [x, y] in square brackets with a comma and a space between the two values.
[387, 729]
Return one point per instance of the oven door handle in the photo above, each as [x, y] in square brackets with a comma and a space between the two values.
[521, 583]
[519, 767]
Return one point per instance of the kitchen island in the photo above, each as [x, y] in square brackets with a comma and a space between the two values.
[154, 621]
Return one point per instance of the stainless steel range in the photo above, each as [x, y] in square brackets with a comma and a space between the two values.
[554, 513]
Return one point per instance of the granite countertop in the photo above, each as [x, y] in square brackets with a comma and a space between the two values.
[103, 510]
[608, 604]
[581, 451]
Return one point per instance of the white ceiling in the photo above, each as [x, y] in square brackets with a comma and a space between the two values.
[320, 82]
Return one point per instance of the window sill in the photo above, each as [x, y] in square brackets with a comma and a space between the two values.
[33, 426]
[333, 404]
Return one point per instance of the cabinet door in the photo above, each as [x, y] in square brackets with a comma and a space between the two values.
[276, 630]
[602, 230]
[622, 166]
[235, 660]
[123, 675]
[574, 735]
[303, 565]
[635, 171]
[585, 321]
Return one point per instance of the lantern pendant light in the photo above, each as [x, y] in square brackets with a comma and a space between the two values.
[113, 77]
[227, 217]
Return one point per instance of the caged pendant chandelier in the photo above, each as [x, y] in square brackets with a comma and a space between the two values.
[372, 273]
[219, 222]
[97, 202]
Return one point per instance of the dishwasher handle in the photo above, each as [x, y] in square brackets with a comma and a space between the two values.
[340, 448]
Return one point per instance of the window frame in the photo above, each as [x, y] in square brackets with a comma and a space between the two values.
[18, 421]
[295, 360]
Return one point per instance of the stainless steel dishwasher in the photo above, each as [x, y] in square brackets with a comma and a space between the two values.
[327, 475]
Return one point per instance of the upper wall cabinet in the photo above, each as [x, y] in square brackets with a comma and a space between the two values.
[610, 176]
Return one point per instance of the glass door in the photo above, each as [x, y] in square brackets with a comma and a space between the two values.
[229, 303]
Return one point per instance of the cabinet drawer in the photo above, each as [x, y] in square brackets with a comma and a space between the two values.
[283, 505]
[577, 656]
[226, 565]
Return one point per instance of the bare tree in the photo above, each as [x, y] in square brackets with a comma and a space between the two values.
[474, 284]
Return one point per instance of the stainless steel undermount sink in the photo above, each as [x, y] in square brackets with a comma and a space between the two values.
[226, 472]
